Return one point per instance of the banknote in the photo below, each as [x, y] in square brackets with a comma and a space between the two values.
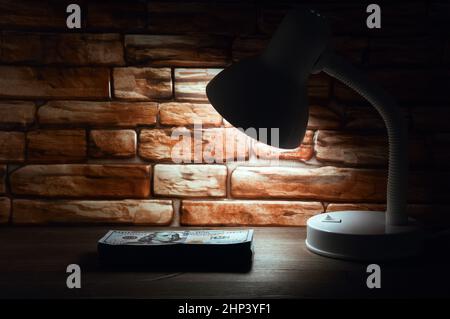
[208, 237]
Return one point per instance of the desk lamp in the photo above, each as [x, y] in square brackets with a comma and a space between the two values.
[269, 91]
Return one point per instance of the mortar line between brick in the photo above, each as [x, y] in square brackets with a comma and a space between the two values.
[172, 74]
[176, 219]
[111, 83]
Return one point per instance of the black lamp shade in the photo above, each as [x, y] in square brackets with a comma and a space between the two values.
[269, 91]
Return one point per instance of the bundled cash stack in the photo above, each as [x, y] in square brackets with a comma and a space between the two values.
[178, 250]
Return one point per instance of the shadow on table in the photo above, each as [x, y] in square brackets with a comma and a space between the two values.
[92, 262]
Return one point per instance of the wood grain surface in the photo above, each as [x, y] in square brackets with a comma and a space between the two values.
[34, 259]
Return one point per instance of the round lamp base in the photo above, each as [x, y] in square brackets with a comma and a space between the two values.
[362, 235]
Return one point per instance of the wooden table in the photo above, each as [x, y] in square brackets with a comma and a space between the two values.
[33, 263]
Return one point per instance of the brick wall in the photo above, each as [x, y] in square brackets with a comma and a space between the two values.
[86, 116]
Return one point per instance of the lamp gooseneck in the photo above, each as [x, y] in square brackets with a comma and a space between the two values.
[395, 123]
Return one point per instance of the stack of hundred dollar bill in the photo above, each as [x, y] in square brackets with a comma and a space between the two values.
[178, 249]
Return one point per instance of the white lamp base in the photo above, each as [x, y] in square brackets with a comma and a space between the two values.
[362, 235]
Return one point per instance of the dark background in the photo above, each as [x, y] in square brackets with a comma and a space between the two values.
[103, 66]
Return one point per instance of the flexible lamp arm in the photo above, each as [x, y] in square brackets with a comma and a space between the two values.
[395, 123]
